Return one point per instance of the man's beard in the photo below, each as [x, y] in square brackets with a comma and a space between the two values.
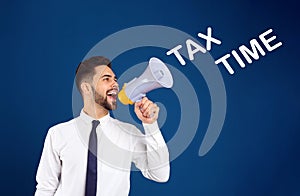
[102, 101]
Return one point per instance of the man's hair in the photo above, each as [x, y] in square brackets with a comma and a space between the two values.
[86, 69]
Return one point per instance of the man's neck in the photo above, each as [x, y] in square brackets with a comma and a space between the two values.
[95, 112]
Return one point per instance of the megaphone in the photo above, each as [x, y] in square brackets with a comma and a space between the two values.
[156, 75]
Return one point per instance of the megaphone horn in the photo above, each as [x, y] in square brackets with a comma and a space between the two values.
[156, 75]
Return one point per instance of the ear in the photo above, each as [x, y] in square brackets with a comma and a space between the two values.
[86, 88]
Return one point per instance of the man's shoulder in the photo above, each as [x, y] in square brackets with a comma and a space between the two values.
[63, 126]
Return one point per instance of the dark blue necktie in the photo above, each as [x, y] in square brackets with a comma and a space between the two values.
[91, 173]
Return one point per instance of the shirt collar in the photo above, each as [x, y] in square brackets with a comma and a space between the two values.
[88, 119]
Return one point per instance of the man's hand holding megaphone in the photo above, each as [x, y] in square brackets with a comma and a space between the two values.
[156, 75]
[146, 110]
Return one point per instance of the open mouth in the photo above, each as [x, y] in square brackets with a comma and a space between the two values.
[112, 93]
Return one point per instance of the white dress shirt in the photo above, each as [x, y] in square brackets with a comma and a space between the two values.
[63, 164]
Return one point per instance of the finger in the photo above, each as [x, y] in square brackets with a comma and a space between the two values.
[155, 113]
[146, 105]
[138, 104]
[151, 110]
[137, 109]
[146, 113]
[144, 99]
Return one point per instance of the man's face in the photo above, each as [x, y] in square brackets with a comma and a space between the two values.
[105, 87]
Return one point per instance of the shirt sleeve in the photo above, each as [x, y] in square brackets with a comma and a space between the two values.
[151, 154]
[48, 173]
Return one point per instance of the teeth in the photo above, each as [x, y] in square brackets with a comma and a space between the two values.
[112, 93]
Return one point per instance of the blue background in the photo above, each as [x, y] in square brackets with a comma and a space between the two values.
[258, 151]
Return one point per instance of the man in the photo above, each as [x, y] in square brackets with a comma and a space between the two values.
[92, 154]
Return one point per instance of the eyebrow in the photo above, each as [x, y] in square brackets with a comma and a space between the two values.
[107, 75]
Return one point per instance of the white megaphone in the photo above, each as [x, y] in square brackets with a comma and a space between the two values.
[156, 75]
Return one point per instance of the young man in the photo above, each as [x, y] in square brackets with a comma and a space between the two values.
[92, 154]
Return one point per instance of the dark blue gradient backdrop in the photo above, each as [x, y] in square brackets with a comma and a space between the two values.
[258, 151]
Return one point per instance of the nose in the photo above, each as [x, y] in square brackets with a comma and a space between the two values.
[115, 85]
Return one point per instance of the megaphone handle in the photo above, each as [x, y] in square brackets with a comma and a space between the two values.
[139, 97]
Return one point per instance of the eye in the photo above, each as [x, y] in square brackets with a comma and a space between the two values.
[105, 79]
